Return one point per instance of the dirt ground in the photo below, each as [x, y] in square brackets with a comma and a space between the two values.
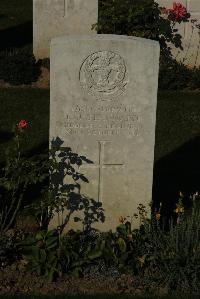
[15, 280]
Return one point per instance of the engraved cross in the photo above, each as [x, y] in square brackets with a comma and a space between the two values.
[67, 5]
[105, 67]
[64, 8]
[101, 165]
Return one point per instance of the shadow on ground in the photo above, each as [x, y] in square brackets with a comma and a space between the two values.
[178, 171]
[5, 136]
[17, 36]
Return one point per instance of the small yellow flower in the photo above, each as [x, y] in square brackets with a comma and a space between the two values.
[158, 216]
[130, 237]
[141, 260]
[179, 209]
[122, 219]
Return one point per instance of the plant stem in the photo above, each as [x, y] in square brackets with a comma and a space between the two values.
[17, 208]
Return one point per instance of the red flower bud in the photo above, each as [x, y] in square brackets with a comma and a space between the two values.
[179, 11]
[22, 124]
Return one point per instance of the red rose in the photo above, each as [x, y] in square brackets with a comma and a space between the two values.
[22, 124]
[179, 10]
[177, 13]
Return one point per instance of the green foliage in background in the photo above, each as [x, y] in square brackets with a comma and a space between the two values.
[15, 12]
[144, 18]
[141, 18]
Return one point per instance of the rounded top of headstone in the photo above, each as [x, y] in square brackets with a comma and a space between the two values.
[110, 37]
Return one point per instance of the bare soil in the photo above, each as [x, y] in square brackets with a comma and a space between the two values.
[14, 280]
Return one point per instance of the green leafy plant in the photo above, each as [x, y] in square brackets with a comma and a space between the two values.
[78, 250]
[171, 258]
[182, 252]
[115, 249]
[41, 253]
[166, 258]
[143, 18]
[18, 173]
[56, 197]
[48, 252]
[9, 250]
[63, 197]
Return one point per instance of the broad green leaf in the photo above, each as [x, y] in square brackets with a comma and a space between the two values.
[43, 255]
[122, 244]
[95, 254]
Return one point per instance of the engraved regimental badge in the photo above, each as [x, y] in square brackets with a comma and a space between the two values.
[103, 75]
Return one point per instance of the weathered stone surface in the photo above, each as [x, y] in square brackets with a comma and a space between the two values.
[103, 105]
[190, 32]
[52, 18]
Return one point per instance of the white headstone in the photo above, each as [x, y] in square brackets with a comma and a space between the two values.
[103, 106]
[52, 18]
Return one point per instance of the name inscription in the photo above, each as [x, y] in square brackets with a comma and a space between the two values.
[100, 120]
